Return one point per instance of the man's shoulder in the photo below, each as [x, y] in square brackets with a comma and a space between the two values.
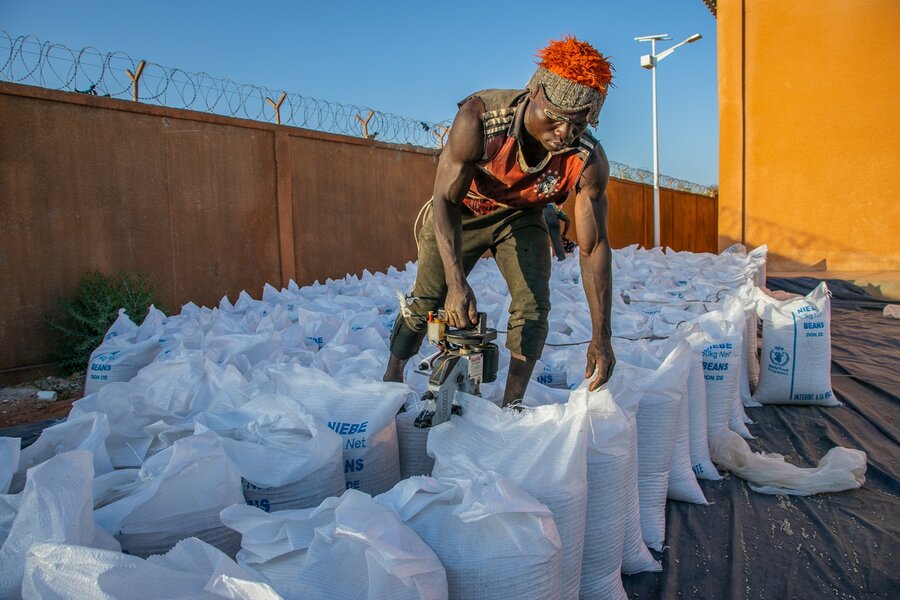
[496, 99]
[499, 108]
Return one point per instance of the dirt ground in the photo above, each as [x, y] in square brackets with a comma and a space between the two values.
[19, 404]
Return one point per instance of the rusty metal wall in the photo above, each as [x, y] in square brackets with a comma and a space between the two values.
[687, 221]
[208, 206]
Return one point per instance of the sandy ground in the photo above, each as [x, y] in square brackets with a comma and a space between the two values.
[19, 404]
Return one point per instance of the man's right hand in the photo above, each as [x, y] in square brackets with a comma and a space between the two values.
[460, 307]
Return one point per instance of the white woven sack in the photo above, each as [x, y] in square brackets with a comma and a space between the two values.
[192, 570]
[178, 493]
[413, 443]
[796, 349]
[636, 558]
[170, 382]
[9, 459]
[118, 360]
[683, 484]
[751, 356]
[680, 325]
[739, 419]
[662, 385]
[542, 450]
[55, 506]
[758, 262]
[699, 446]
[723, 330]
[840, 469]
[127, 412]
[494, 539]
[286, 458]
[361, 412]
[86, 432]
[612, 490]
[348, 547]
[609, 458]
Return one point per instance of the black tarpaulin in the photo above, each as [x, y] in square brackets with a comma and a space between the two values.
[839, 545]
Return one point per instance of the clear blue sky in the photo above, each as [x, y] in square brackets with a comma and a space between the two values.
[417, 59]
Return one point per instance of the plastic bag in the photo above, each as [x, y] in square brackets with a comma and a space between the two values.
[840, 469]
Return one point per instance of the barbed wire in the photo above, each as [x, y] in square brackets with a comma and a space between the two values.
[27, 60]
[644, 176]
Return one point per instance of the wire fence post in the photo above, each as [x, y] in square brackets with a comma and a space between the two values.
[365, 125]
[135, 77]
[277, 106]
[440, 132]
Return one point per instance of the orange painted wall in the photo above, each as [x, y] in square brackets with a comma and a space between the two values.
[809, 151]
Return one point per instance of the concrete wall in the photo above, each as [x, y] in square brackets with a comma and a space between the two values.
[808, 147]
[208, 206]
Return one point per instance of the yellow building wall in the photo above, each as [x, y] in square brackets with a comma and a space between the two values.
[809, 104]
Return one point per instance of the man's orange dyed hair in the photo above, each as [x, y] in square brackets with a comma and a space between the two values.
[577, 61]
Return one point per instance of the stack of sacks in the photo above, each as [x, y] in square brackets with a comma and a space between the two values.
[348, 547]
[542, 450]
[191, 570]
[494, 540]
[324, 348]
[285, 457]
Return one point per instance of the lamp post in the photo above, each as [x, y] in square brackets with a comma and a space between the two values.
[649, 61]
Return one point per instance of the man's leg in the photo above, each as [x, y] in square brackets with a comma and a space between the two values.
[522, 250]
[559, 251]
[429, 291]
[520, 369]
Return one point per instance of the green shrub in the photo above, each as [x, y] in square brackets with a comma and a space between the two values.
[85, 318]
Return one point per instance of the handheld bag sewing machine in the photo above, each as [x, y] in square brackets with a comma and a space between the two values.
[465, 359]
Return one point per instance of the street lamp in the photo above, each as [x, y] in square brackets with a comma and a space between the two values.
[648, 61]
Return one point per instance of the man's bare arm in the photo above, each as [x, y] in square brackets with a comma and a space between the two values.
[456, 166]
[591, 206]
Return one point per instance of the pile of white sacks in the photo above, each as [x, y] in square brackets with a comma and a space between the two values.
[252, 450]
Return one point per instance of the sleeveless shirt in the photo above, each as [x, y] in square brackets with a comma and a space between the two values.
[502, 179]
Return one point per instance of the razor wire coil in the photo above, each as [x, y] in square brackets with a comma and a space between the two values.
[27, 60]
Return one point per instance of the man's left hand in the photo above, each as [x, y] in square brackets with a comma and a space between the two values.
[600, 362]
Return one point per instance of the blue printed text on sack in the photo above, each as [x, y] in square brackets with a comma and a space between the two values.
[348, 428]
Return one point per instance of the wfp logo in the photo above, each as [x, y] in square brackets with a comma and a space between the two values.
[779, 356]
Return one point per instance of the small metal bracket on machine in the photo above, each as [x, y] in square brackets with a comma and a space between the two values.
[466, 359]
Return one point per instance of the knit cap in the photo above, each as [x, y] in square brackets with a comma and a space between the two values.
[574, 76]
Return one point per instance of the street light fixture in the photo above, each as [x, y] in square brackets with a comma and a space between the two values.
[649, 61]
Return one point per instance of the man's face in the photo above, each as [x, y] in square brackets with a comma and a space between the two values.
[554, 127]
